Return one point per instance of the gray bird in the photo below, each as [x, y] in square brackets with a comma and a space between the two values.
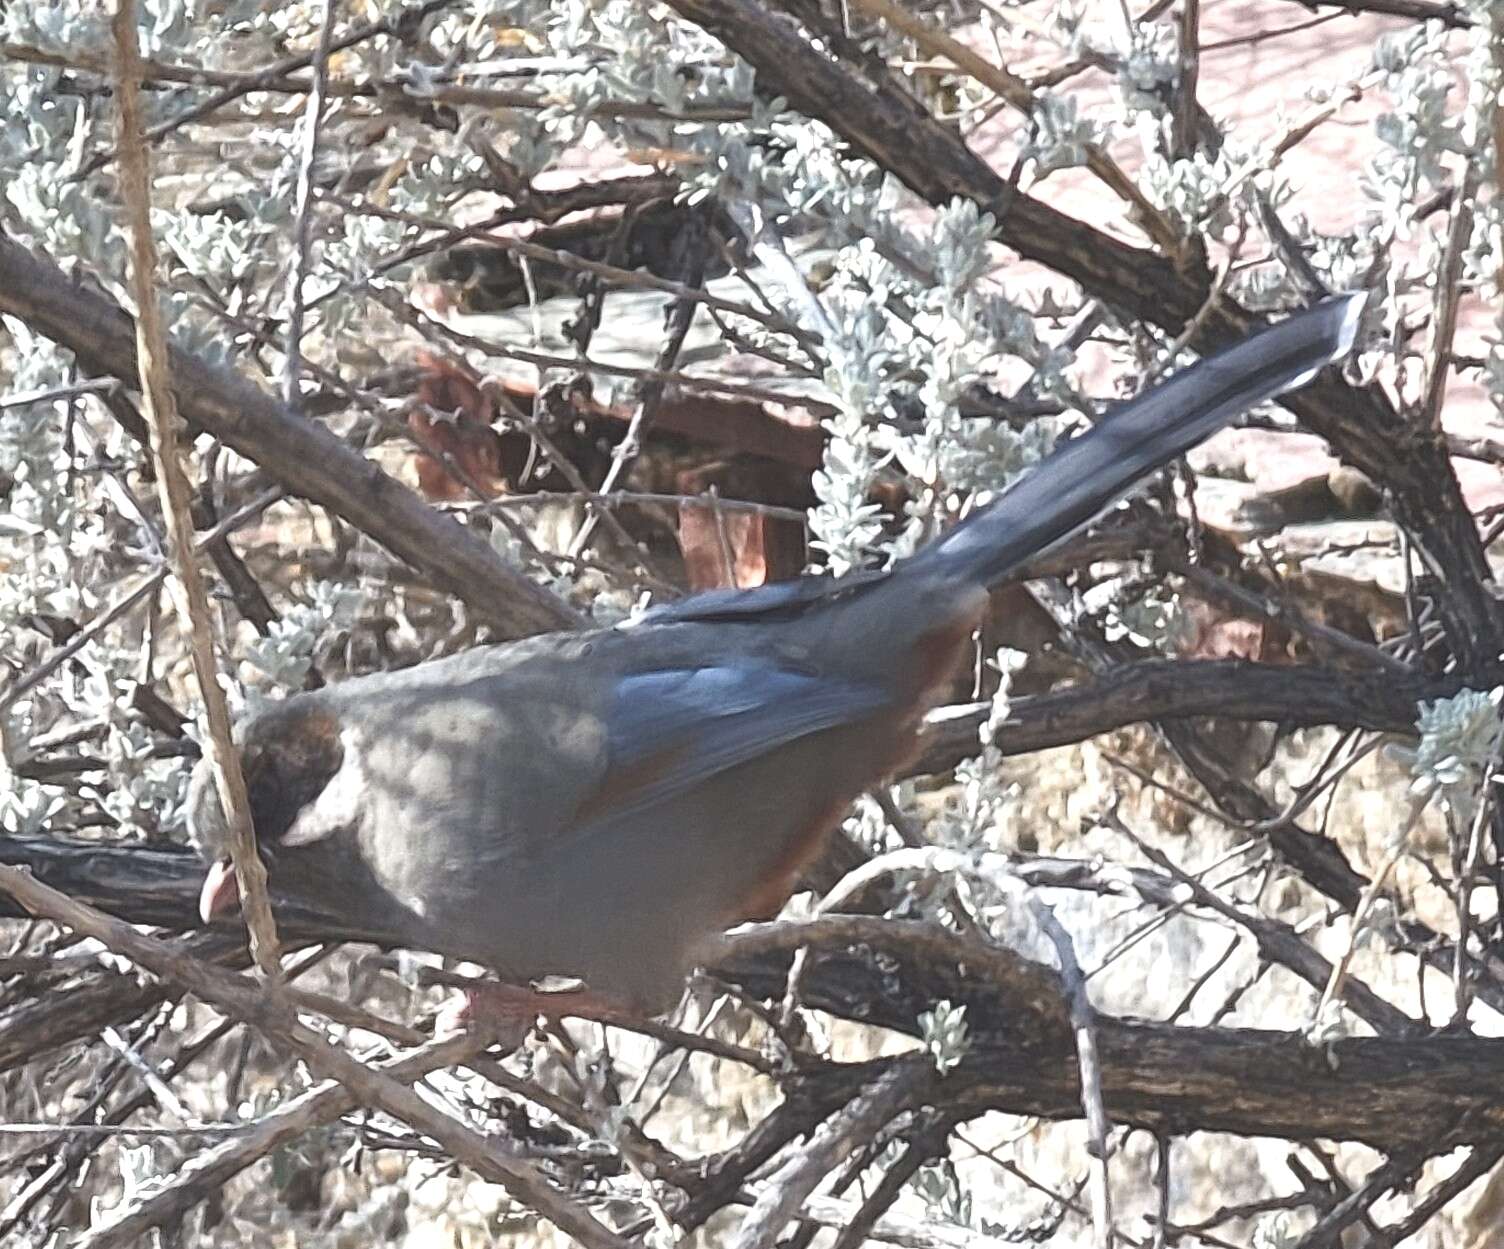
[600, 805]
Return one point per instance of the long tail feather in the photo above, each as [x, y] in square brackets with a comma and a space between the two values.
[1076, 481]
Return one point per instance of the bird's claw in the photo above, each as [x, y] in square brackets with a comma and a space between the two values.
[505, 1013]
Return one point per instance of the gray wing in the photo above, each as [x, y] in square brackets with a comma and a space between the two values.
[671, 729]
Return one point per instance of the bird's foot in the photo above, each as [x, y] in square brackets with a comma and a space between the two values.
[507, 1012]
[499, 1012]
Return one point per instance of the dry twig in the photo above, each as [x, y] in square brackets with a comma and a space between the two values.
[1083, 1025]
[172, 483]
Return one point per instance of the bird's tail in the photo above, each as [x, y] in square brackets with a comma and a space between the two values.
[1079, 479]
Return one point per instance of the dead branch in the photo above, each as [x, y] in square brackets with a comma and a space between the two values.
[173, 490]
[304, 456]
[1388, 1092]
[201, 1175]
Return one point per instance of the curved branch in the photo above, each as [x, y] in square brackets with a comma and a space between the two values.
[1389, 1092]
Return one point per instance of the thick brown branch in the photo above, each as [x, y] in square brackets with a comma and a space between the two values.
[887, 124]
[304, 456]
[1171, 689]
[1389, 1092]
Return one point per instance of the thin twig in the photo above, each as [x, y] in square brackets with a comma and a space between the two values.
[94, 385]
[1279, 943]
[681, 314]
[66, 1155]
[267, 79]
[689, 382]
[527, 249]
[157, 1086]
[131, 598]
[1416, 10]
[568, 470]
[1162, 1144]
[313, 120]
[1371, 894]
[1449, 295]
[1466, 866]
[1261, 607]
[925, 1144]
[160, 409]
[1018, 94]
[167, 1204]
[1392, 1173]
[623, 498]
[1477, 1164]
[1083, 1025]
[1263, 36]
[792, 1184]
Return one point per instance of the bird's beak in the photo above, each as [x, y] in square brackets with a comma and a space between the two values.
[221, 892]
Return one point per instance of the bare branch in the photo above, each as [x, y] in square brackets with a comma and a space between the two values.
[163, 1206]
[1083, 1025]
[173, 489]
[891, 127]
[1449, 295]
[303, 455]
[856, 1123]
[313, 121]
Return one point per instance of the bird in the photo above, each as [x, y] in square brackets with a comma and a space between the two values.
[602, 805]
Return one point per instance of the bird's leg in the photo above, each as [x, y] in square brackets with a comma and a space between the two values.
[507, 1012]
[504, 1012]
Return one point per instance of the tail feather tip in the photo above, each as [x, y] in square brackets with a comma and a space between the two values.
[1353, 303]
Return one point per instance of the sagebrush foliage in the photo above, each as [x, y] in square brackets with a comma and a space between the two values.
[908, 312]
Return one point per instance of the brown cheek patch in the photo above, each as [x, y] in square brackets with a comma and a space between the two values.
[287, 771]
[313, 745]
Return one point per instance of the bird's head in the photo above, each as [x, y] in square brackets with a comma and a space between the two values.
[291, 755]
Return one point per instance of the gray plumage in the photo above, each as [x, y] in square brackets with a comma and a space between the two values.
[601, 804]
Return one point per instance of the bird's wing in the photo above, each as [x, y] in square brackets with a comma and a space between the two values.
[765, 601]
[670, 729]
